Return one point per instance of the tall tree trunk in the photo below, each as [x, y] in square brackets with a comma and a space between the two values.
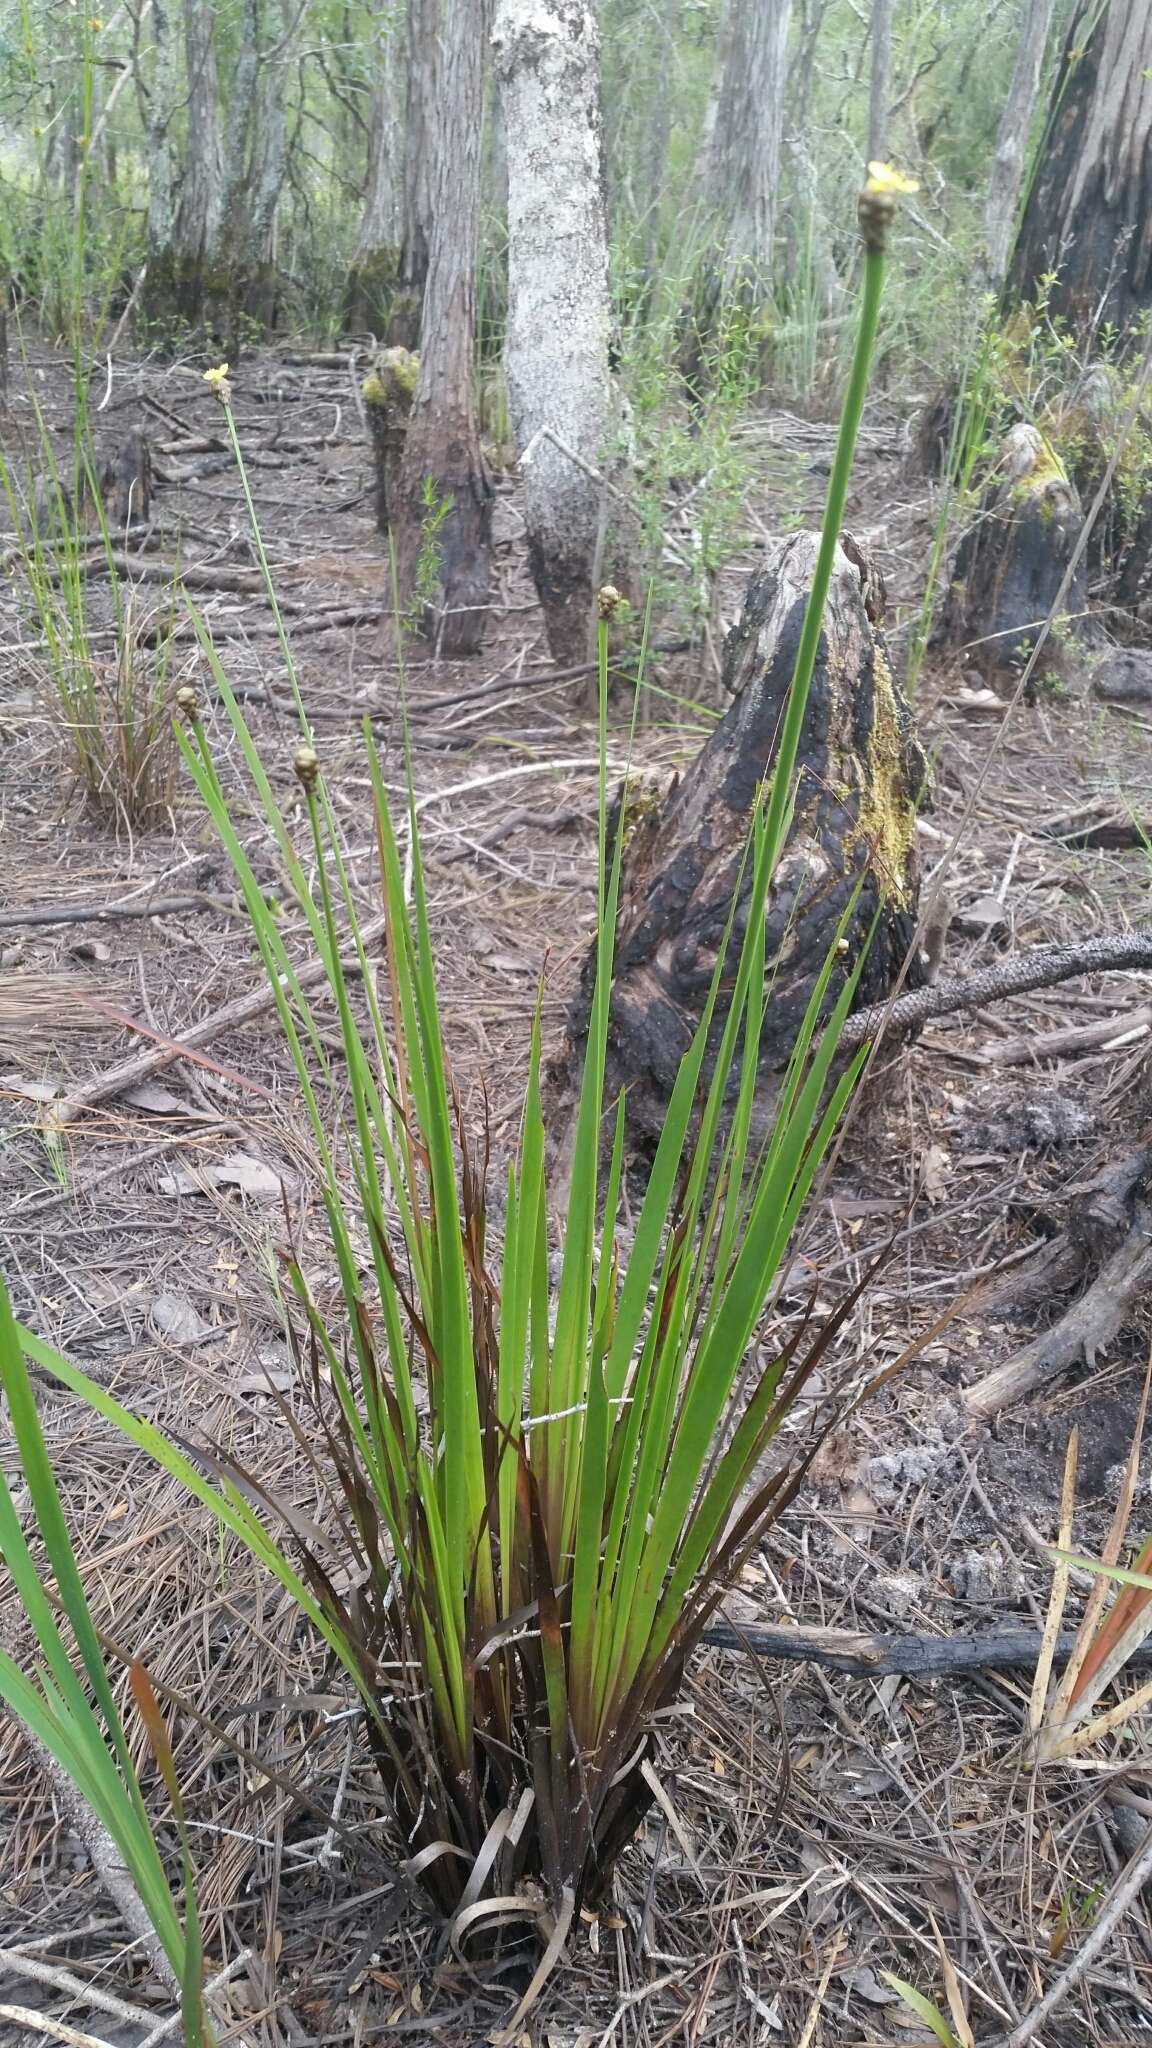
[202, 190]
[655, 165]
[1012, 139]
[157, 299]
[444, 519]
[420, 121]
[373, 271]
[224, 268]
[1089, 212]
[561, 394]
[880, 80]
[260, 281]
[744, 160]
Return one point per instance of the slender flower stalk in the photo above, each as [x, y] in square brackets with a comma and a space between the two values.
[876, 209]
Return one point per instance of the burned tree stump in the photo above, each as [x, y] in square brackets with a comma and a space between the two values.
[1011, 563]
[388, 392]
[125, 479]
[859, 776]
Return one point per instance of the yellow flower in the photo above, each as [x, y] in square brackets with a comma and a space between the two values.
[218, 379]
[884, 182]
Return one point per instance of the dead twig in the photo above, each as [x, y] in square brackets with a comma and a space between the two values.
[1109, 1034]
[111, 913]
[130, 1072]
[110, 1868]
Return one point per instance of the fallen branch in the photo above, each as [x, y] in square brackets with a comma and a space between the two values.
[108, 1864]
[914, 1656]
[1090, 1324]
[323, 359]
[111, 913]
[56, 2030]
[1108, 1034]
[1041, 967]
[234, 624]
[1100, 1216]
[129, 1073]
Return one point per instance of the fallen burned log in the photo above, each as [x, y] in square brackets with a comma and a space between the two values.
[862, 1655]
[851, 848]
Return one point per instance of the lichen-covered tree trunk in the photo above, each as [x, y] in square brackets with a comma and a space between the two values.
[1011, 563]
[443, 518]
[374, 270]
[1088, 218]
[1004, 185]
[860, 776]
[388, 391]
[561, 392]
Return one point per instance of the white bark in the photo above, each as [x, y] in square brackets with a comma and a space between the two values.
[1012, 139]
[272, 135]
[560, 386]
[744, 159]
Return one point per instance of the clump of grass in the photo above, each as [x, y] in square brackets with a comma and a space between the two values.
[116, 719]
[539, 1488]
[107, 686]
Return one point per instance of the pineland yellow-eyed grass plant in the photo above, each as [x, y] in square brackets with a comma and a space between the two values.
[65, 1699]
[537, 1493]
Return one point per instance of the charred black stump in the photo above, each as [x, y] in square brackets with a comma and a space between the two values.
[860, 775]
[1011, 564]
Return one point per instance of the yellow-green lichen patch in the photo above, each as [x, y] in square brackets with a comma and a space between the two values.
[886, 823]
[392, 379]
[1045, 470]
[641, 802]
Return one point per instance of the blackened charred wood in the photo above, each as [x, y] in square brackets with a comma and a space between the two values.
[1011, 563]
[862, 1655]
[125, 479]
[388, 392]
[859, 775]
